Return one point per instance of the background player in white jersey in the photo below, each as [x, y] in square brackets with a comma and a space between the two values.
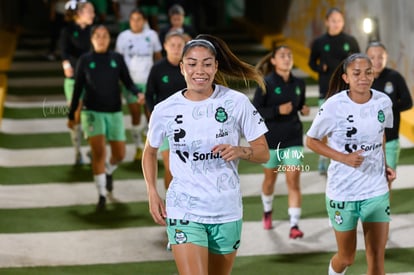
[204, 124]
[140, 47]
[354, 118]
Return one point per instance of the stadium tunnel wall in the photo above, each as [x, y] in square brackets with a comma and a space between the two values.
[297, 22]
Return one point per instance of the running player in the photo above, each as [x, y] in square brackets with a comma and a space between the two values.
[204, 124]
[75, 40]
[99, 73]
[280, 105]
[354, 118]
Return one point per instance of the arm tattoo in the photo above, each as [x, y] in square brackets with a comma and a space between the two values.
[248, 152]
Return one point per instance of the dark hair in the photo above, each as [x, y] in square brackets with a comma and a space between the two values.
[229, 65]
[96, 27]
[336, 83]
[375, 44]
[265, 66]
[332, 10]
[139, 11]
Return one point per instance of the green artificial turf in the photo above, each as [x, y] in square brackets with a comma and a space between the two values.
[79, 217]
[66, 173]
[33, 141]
[130, 170]
[312, 101]
[121, 215]
[46, 111]
[126, 170]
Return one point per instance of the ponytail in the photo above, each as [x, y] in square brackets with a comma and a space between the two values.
[229, 65]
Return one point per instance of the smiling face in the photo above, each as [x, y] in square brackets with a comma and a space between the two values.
[378, 57]
[199, 67]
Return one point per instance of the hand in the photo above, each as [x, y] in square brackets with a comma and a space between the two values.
[141, 98]
[305, 110]
[71, 123]
[157, 208]
[68, 72]
[227, 151]
[324, 68]
[67, 69]
[354, 159]
[390, 174]
[285, 108]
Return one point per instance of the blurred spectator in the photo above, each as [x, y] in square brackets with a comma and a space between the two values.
[176, 15]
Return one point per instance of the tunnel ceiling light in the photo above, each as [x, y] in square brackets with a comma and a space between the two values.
[367, 25]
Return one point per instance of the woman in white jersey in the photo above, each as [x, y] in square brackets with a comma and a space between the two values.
[354, 118]
[140, 47]
[204, 124]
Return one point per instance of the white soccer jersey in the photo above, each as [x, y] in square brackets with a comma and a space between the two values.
[138, 50]
[205, 188]
[349, 127]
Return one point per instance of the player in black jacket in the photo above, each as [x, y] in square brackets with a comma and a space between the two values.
[165, 78]
[327, 51]
[280, 106]
[393, 84]
[98, 74]
[75, 40]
